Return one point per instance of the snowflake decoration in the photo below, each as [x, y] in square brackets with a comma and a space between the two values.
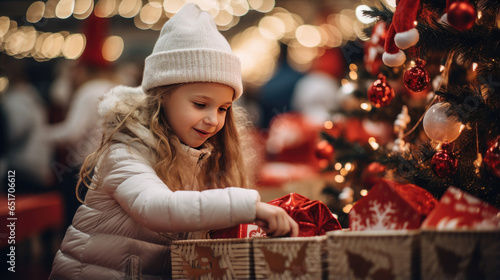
[381, 217]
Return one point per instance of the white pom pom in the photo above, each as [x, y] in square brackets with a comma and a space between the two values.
[406, 39]
[394, 59]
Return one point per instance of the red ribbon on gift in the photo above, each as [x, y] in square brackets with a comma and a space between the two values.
[313, 216]
[239, 231]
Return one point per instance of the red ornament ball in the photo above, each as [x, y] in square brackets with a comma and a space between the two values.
[444, 162]
[416, 78]
[492, 158]
[372, 174]
[380, 93]
[324, 150]
[461, 15]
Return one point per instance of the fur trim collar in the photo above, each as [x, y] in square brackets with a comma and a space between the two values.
[120, 96]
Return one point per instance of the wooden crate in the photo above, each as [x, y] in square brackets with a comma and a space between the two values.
[212, 259]
[288, 258]
[460, 254]
[373, 255]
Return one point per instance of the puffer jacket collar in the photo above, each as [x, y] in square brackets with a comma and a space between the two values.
[197, 155]
[196, 158]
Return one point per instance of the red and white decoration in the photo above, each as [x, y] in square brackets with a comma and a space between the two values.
[374, 48]
[402, 33]
[390, 206]
[460, 210]
[239, 231]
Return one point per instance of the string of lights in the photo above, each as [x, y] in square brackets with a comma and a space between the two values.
[257, 46]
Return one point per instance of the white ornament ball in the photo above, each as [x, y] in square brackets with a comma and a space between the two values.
[440, 127]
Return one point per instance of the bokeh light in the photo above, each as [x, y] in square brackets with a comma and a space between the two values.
[223, 18]
[50, 8]
[272, 27]
[4, 25]
[308, 35]
[267, 6]
[35, 12]
[258, 55]
[4, 84]
[64, 9]
[73, 46]
[239, 8]
[83, 8]
[129, 8]
[363, 18]
[112, 48]
[52, 45]
[106, 8]
[151, 13]
[172, 6]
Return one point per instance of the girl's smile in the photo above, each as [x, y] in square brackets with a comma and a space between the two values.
[202, 133]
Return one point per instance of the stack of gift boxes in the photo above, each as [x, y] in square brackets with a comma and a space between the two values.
[397, 231]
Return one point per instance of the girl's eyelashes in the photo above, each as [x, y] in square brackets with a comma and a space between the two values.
[203, 105]
[199, 105]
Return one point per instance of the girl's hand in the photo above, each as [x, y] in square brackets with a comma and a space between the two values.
[275, 221]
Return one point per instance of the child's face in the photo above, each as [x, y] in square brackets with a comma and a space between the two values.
[197, 111]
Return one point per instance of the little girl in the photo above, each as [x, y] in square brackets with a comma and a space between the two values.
[168, 163]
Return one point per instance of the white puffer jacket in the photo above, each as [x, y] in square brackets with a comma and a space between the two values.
[130, 218]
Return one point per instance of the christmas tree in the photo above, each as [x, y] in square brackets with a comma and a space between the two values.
[446, 116]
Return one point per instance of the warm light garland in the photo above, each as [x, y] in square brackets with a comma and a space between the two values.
[258, 48]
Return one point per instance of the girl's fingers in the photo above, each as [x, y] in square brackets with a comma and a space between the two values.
[275, 220]
[285, 225]
[282, 224]
[262, 224]
[272, 225]
[294, 227]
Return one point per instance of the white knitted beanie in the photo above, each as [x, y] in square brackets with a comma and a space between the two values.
[191, 49]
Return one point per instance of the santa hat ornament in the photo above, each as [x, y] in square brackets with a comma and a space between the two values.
[374, 48]
[402, 33]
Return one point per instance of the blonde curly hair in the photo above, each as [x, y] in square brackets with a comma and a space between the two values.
[231, 161]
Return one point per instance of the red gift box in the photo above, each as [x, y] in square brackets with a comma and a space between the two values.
[390, 206]
[239, 231]
[459, 210]
[313, 216]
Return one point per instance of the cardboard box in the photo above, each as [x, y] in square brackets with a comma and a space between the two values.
[289, 258]
[373, 255]
[212, 259]
[460, 254]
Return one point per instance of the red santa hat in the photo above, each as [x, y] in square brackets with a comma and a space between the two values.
[402, 33]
